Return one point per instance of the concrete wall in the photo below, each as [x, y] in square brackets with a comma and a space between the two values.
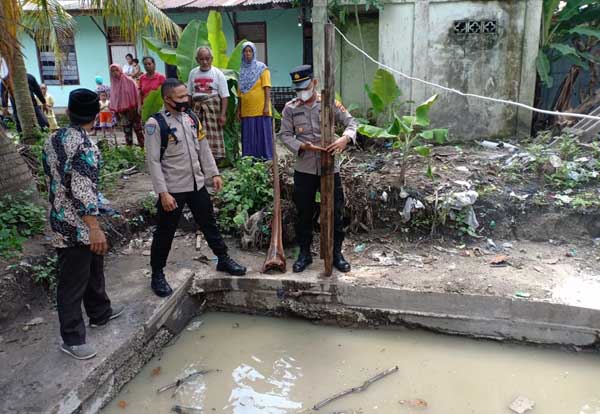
[417, 38]
[350, 80]
[284, 44]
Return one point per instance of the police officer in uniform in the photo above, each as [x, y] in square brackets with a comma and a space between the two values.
[301, 133]
[179, 178]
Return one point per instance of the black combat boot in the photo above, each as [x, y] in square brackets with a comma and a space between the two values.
[159, 284]
[227, 264]
[303, 261]
[338, 259]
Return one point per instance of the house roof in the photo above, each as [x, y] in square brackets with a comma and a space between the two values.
[218, 4]
[184, 4]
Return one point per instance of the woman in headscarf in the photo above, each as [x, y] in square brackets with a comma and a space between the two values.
[125, 102]
[254, 108]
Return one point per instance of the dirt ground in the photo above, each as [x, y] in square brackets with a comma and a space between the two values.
[546, 252]
[557, 266]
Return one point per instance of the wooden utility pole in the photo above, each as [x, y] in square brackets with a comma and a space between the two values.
[327, 160]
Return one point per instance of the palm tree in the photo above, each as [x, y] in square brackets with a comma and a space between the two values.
[47, 22]
[14, 173]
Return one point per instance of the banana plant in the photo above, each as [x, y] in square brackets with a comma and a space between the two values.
[411, 135]
[569, 30]
[199, 33]
[384, 92]
[196, 34]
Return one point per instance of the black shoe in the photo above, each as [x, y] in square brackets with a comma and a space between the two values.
[159, 284]
[303, 261]
[340, 263]
[227, 264]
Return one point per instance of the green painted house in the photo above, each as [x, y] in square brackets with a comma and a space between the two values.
[282, 36]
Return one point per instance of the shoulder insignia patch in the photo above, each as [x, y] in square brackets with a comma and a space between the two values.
[150, 128]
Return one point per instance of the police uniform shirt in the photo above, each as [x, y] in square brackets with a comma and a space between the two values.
[186, 160]
[301, 123]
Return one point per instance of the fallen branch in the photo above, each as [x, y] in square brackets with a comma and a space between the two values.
[298, 293]
[358, 389]
[183, 380]
[127, 171]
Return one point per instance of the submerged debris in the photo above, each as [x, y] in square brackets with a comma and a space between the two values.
[182, 409]
[352, 390]
[521, 404]
[185, 379]
[416, 403]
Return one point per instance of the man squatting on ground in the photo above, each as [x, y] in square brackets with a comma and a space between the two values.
[301, 133]
[70, 160]
[178, 176]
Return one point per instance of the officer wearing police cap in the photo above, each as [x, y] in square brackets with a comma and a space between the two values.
[301, 133]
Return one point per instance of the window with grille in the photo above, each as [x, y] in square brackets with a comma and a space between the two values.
[257, 34]
[64, 71]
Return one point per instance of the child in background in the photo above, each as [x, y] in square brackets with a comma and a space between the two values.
[106, 117]
[137, 71]
[48, 109]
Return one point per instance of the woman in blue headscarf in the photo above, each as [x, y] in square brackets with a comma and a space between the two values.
[254, 108]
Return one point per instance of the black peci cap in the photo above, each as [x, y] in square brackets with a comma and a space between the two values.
[83, 106]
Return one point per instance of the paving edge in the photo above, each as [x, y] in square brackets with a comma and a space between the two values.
[479, 316]
[116, 369]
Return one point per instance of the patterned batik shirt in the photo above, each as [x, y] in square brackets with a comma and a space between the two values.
[71, 162]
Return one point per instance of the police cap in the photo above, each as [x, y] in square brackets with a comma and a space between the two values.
[301, 76]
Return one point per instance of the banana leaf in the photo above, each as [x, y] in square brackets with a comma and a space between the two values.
[374, 132]
[542, 64]
[376, 101]
[385, 86]
[166, 53]
[217, 40]
[439, 135]
[194, 36]
[152, 104]
[235, 59]
[422, 112]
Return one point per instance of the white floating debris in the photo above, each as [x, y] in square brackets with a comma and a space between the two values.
[521, 404]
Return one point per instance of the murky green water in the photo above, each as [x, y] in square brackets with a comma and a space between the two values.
[273, 366]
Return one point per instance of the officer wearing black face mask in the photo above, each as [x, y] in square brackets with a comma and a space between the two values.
[180, 163]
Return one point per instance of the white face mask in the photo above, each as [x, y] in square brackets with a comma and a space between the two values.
[305, 95]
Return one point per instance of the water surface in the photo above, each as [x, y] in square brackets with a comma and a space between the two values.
[276, 366]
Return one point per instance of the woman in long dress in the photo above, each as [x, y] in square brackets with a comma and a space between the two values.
[125, 102]
[254, 108]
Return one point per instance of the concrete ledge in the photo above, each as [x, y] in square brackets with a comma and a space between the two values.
[463, 314]
[124, 362]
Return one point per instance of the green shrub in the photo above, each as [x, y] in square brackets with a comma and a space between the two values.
[115, 159]
[247, 190]
[19, 219]
[44, 273]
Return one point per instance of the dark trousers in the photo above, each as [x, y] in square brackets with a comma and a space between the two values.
[305, 189]
[132, 123]
[202, 210]
[80, 278]
[39, 113]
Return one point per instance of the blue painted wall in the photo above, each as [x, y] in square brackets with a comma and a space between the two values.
[284, 48]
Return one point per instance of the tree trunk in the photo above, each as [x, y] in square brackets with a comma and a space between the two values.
[14, 173]
[29, 124]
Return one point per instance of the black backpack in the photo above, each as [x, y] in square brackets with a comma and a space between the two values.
[165, 130]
